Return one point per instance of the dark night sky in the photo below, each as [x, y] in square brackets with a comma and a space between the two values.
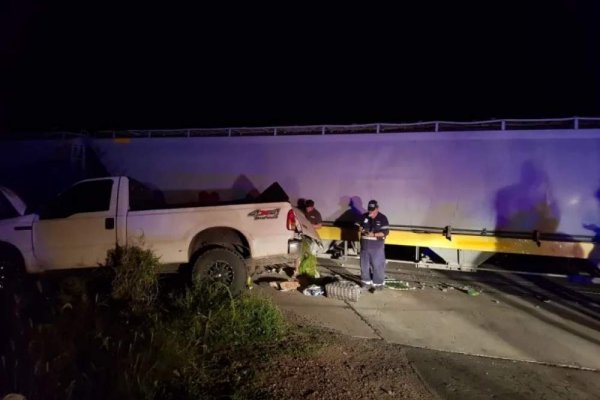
[69, 67]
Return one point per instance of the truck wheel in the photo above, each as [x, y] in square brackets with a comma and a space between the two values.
[221, 265]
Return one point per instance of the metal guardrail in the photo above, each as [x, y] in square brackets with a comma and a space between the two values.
[575, 123]
[376, 128]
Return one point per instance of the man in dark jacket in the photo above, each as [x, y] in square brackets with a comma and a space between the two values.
[374, 227]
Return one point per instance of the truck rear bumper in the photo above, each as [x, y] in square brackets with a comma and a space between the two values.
[293, 254]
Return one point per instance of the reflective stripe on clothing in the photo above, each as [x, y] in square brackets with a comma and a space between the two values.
[378, 224]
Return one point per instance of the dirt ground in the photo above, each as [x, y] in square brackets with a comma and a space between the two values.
[347, 369]
[329, 365]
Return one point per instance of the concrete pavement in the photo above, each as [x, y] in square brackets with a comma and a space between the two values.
[496, 323]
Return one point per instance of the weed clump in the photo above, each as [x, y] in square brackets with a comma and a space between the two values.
[135, 278]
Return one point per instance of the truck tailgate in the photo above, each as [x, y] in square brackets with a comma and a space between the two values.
[306, 226]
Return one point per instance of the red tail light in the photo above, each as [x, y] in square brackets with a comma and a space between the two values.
[291, 220]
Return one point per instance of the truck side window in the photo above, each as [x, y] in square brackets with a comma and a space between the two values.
[84, 197]
[142, 197]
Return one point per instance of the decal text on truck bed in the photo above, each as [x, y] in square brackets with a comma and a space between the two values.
[271, 213]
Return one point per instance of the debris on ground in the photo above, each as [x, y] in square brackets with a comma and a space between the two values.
[470, 291]
[288, 285]
[285, 286]
[396, 284]
[313, 290]
[496, 301]
[274, 270]
[343, 290]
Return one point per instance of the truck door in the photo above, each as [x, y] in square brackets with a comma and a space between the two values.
[78, 228]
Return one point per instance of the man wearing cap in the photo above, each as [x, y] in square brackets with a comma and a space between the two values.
[374, 227]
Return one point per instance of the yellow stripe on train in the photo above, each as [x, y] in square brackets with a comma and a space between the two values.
[469, 242]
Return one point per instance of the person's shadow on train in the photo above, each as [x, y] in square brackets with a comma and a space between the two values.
[527, 205]
[346, 222]
[353, 211]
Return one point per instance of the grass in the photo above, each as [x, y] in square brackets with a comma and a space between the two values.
[127, 335]
[135, 276]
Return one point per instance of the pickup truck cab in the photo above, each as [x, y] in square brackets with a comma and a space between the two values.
[224, 242]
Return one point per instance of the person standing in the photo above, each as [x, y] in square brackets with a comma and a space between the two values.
[374, 228]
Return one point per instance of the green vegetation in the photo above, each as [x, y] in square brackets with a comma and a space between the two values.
[123, 333]
[308, 265]
[135, 278]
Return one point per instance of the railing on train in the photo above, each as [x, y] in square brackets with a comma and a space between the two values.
[571, 123]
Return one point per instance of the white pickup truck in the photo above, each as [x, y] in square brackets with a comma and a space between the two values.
[223, 242]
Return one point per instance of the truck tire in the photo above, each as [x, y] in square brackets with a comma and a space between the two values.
[221, 265]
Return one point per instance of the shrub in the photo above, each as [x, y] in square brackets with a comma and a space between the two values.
[136, 276]
[218, 320]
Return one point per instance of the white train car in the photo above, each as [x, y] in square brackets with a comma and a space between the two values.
[460, 189]
[521, 191]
